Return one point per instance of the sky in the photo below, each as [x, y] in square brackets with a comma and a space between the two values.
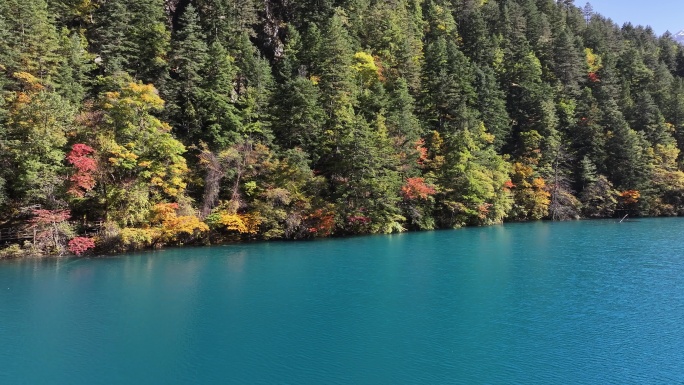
[661, 15]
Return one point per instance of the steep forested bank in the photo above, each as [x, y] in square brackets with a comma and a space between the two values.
[134, 123]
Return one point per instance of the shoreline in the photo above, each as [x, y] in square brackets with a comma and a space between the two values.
[26, 255]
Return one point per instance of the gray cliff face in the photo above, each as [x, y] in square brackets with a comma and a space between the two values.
[268, 32]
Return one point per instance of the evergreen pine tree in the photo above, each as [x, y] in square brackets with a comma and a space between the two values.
[132, 37]
[111, 36]
[31, 39]
[567, 62]
[188, 58]
[625, 151]
[220, 118]
[491, 105]
[71, 79]
[649, 120]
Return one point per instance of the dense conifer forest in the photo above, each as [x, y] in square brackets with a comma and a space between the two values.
[127, 124]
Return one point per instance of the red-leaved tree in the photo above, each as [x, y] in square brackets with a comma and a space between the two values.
[85, 164]
[321, 223]
[80, 245]
[51, 229]
[417, 188]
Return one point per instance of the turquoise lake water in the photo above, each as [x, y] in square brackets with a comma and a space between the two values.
[591, 302]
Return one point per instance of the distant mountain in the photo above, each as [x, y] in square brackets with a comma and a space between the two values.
[679, 37]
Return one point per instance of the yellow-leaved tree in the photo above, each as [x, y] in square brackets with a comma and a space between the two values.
[141, 163]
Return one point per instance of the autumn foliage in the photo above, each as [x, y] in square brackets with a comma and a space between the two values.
[51, 229]
[242, 223]
[359, 219]
[630, 197]
[42, 218]
[321, 223]
[80, 245]
[85, 164]
[361, 117]
[422, 152]
[416, 188]
[165, 227]
[174, 228]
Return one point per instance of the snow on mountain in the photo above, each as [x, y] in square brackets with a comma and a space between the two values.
[679, 37]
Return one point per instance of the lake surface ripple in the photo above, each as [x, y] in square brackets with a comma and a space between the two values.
[591, 302]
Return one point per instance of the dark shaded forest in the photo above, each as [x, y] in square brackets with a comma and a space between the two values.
[127, 124]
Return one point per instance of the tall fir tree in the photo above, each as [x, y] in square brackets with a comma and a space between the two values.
[132, 37]
[188, 58]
